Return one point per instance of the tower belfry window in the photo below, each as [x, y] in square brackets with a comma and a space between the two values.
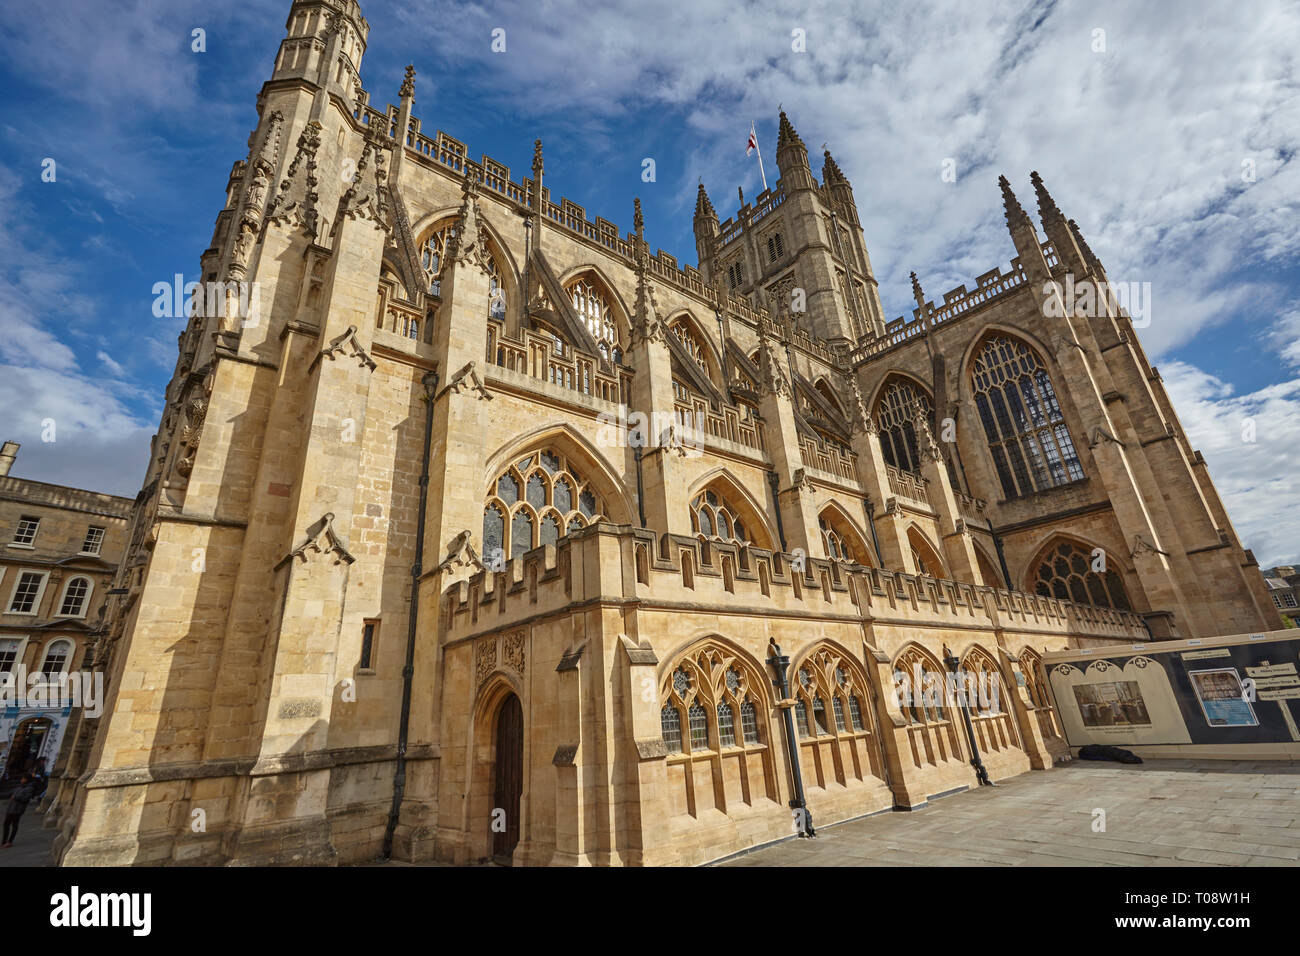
[775, 247]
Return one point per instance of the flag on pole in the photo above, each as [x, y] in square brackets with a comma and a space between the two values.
[752, 147]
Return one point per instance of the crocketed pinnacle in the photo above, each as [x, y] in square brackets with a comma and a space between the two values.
[1047, 210]
[831, 170]
[408, 84]
[786, 136]
[916, 291]
[703, 206]
[1014, 212]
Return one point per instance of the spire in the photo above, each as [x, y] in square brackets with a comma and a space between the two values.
[792, 159]
[1047, 210]
[917, 294]
[1014, 212]
[408, 84]
[831, 173]
[703, 206]
[1093, 262]
[786, 136]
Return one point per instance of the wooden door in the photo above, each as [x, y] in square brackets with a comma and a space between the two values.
[509, 773]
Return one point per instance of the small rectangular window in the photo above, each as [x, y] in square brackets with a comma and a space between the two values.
[26, 531]
[94, 540]
[1289, 599]
[369, 631]
[8, 656]
[24, 599]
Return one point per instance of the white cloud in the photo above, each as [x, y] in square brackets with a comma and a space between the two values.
[98, 442]
[116, 370]
[1250, 444]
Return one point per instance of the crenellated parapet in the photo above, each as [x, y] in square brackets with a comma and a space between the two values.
[615, 565]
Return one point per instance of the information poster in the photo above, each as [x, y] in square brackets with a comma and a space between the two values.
[1243, 689]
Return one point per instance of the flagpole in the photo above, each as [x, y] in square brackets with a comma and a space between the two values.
[758, 150]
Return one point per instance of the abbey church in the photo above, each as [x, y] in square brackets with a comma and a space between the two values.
[408, 577]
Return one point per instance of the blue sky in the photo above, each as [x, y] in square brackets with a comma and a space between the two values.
[1142, 132]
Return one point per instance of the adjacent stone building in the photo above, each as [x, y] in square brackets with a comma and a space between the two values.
[490, 531]
[59, 550]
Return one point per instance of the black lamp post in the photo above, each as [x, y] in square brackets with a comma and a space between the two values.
[950, 659]
[781, 665]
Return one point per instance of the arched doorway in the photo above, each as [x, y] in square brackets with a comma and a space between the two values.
[508, 775]
[24, 754]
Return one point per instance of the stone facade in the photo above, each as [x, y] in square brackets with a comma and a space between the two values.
[394, 537]
[59, 551]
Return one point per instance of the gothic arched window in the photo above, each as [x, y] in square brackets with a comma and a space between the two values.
[595, 312]
[1070, 573]
[691, 342]
[894, 414]
[1027, 435]
[433, 262]
[713, 516]
[829, 690]
[537, 500]
[841, 541]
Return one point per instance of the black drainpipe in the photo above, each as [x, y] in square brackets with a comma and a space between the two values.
[780, 664]
[1002, 558]
[775, 482]
[871, 523]
[640, 487]
[430, 383]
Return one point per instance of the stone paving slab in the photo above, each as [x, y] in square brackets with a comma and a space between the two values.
[1160, 813]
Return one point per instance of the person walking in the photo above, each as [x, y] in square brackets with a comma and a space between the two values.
[18, 801]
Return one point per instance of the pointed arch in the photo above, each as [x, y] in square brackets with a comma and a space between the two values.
[842, 537]
[431, 233]
[925, 555]
[892, 411]
[540, 487]
[715, 719]
[699, 345]
[1067, 567]
[922, 686]
[620, 315]
[832, 697]
[739, 504]
[990, 569]
[824, 389]
[1024, 427]
[985, 694]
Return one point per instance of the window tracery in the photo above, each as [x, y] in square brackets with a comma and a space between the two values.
[536, 501]
[1027, 435]
[1066, 572]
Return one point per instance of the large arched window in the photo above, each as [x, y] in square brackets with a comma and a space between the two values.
[536, 501]
[433, 261]
[714, 720]
[696, 349]
[1027, 435]
[1069, 572]
[833, 705]
[985, 699]
[841, 539]
[594, 311]
[895, 411]
[923, 698]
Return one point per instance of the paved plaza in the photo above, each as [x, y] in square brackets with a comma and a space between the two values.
[1160, 813]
